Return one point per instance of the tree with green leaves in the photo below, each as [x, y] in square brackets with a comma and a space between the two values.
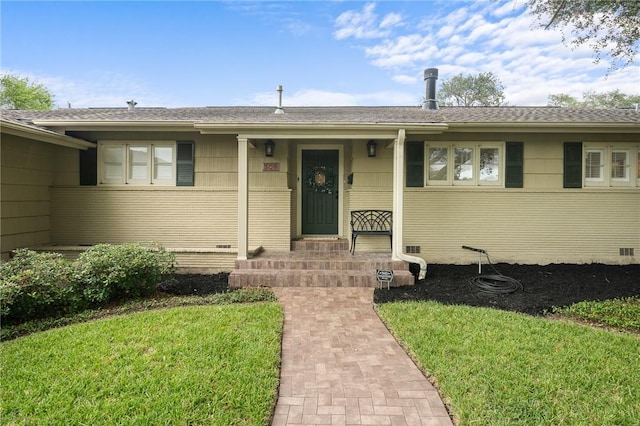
[611, 99]
[484, 89]
[608, 26]
[19, 93]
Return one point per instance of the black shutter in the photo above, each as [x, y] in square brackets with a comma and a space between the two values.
[415, 164]
[184, 164]
[514, 168]
[572, 171]
[89, 167]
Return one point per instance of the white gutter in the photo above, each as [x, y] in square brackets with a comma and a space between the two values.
[398, 206]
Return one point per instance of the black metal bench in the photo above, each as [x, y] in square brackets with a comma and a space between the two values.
[370, 222]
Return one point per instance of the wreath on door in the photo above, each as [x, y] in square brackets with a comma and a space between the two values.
[320, 180]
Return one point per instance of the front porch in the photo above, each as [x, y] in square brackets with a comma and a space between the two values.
[317, 263]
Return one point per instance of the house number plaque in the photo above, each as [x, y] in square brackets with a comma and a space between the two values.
[270, 167]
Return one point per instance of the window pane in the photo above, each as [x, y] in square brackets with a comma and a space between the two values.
[593, 165]
[619, 165]
[638, 175]
[162, 162]
[113, 162]
[438, 163]
[463, 163]
[489, 165]
[138, 162]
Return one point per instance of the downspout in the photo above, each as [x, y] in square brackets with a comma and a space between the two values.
[398, 207]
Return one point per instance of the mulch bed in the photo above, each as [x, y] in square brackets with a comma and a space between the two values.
[543, 287]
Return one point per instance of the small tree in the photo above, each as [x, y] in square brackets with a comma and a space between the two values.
[611, 26]
[611, 99]
[484, 89]
[20, 93]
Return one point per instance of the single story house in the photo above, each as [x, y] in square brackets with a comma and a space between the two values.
[530, 185]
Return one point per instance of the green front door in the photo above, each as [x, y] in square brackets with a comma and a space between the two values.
[320, 192]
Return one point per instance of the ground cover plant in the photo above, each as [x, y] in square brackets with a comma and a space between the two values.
[621, 313]
[214, 365]
[503, 368]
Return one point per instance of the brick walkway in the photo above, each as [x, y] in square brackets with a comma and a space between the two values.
[341, 366]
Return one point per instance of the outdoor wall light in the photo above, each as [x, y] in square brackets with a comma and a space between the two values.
[371, 148]
[269, 147]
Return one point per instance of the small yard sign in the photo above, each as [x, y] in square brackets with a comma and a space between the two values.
[384, 276]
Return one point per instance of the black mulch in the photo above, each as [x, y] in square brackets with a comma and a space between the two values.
[543, 287]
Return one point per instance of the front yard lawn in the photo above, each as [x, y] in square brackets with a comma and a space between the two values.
[502, 368]
[213, 365]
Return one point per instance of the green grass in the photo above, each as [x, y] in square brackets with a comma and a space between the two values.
[619, 313]
[214, 365]
[160, 300]
[500, 368]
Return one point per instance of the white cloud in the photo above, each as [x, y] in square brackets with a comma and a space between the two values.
[317, 97]
[97, 89]
[405, 79]
[501, 38]
[364, 24]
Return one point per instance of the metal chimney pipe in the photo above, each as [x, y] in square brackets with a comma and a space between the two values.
[131, 105]
[430, 76]
[279, 109]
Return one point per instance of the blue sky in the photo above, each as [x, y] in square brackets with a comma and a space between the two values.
[173, 54]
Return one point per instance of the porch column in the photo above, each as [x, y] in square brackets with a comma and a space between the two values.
[398, 195]
[243, 198]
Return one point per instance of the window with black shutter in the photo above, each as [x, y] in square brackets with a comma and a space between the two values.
[415, 164]
[185, 164]
[514, 167]
[572, 170]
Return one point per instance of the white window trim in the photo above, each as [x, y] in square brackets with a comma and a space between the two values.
[632, 178]
[475, 180]
[601, 179]
[125, 178]
[626, 180]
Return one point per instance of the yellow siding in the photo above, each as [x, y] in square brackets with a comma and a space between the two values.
[175, 217]
[269, 213]
[29, 168]
[523, 227]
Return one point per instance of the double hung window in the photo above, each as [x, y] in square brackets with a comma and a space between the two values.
[610, 166]
[468, 164]
[137, 163]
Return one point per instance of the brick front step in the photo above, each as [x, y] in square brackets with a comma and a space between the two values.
[319, 245]
[308, 267]
[308, 278]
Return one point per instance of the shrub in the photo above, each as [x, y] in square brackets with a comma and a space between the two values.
[115, 272]
[36, 285]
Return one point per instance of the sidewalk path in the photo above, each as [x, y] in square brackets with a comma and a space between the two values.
[341, 366]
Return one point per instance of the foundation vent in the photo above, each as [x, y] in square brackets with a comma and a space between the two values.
[412, 249]
[626, 251]
[223, 246]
